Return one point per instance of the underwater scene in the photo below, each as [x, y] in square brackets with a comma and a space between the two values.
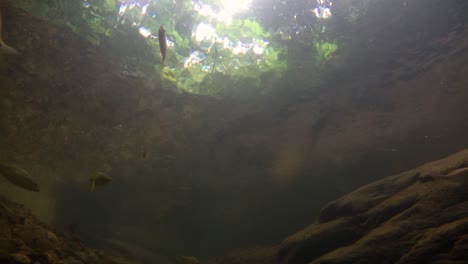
[233, 132]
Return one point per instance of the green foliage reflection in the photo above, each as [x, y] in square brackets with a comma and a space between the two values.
[209, 50]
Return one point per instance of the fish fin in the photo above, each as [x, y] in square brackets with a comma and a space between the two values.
[3, 46]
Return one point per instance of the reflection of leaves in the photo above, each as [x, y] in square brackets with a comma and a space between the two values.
[325, 50]
[92, 23]
[96, 23]
[241, 29]
[272, 60]
[169, 74]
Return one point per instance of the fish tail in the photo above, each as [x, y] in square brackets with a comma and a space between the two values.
[5, 48]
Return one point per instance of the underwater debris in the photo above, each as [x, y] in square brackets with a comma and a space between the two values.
[4, 48]
[98, 178]
[19, 177]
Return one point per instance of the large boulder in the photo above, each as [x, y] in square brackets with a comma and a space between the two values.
[418, 216]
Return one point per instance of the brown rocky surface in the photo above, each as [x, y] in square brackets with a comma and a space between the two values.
[24, 239]
[418, 216]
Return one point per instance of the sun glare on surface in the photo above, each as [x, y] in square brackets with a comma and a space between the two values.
[234, 7]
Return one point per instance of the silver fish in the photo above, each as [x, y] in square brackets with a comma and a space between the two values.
[162, 42]
[19, 177]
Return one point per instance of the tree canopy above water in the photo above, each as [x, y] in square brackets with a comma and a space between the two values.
[238, 49]
[215, 47]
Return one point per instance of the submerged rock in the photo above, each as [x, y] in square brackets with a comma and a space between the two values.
[70, 261]
[419, 216]
[31, 241]
[5, 232]
[21, 258]
[51, 257]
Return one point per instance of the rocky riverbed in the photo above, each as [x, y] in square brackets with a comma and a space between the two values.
[24, 239]
[418, 216]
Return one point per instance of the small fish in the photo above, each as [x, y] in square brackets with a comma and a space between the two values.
[4, 48]
[98, 178]
[162, 42]
[19, 177]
